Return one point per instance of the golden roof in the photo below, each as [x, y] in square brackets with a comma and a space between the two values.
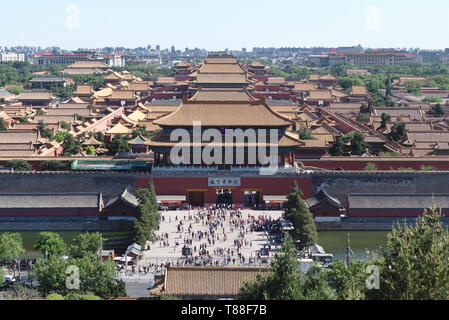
[320, 95]
[204, 281]
[137, 116]
[359, 90]
[123, 95]
[119, 129]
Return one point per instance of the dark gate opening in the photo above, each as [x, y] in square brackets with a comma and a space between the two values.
[224, 196]
[196, 199]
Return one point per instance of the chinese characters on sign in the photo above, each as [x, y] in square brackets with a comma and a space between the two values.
[224, 182]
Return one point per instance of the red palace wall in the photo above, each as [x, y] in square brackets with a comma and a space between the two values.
[266, 186]
[385, 213]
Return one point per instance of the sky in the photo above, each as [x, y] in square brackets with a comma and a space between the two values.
[225, 24]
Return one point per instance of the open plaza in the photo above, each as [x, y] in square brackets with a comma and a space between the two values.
[220, 237]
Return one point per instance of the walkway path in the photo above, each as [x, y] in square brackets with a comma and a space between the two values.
[231, 242]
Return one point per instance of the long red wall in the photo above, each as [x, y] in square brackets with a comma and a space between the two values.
[266, 186]
[389, 213]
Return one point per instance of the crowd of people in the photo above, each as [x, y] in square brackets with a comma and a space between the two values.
[219, 235]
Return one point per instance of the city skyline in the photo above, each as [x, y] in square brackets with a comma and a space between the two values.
[234, 25]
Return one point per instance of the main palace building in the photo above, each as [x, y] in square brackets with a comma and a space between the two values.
[222, 103]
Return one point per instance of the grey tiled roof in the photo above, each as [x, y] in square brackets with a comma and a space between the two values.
[274, 102]
[164, 102]
[322, 196]
[18, 136]
[63, 200]
[397, 201]
[47, 79]
[127, 197]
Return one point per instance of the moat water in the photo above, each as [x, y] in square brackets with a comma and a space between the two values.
[114, 240]
[364, 244]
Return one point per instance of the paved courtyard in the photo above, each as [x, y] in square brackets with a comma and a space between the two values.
[221, 238]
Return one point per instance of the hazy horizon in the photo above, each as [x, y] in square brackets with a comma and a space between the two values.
[231, 25]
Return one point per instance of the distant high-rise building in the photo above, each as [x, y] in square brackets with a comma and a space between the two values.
[11, 57]
[158, 48]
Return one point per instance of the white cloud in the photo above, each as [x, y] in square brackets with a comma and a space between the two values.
[372, 21]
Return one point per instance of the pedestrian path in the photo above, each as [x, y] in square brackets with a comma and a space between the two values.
[219, 237]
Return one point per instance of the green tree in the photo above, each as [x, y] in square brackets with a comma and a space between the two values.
[90, 150]
[96, 277]
[287, 282]
[60, 136]
[119, 144]
[338, 149]
[65, 126]
[284, 282]
[352, 143]
[305, 134]
[388, 87]
[75, 297]
[390, 154]
[364, 108]
[302, 219]
[16, 90]
[85, 244]
[370, 167]
[362, 118]
[54, 296]
[99, 136]
[142, 131]
[428, 168]
[316, 286]
[44, 131]
[24, 120]
[51, 275]
[2, 277]
[3, 125]
[147, 215]
[51, 244]
[54, 165]
[415, 261]
[11, 246]
[413, 87]
[432, 99]
[398, 132]
[385, 119]
[19, 165]
[436, 111]
[80, 118]
[71, 146]
[348, 282]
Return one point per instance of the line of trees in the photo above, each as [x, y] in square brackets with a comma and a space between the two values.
[96, 277]
[413, 267]
[147, 216]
